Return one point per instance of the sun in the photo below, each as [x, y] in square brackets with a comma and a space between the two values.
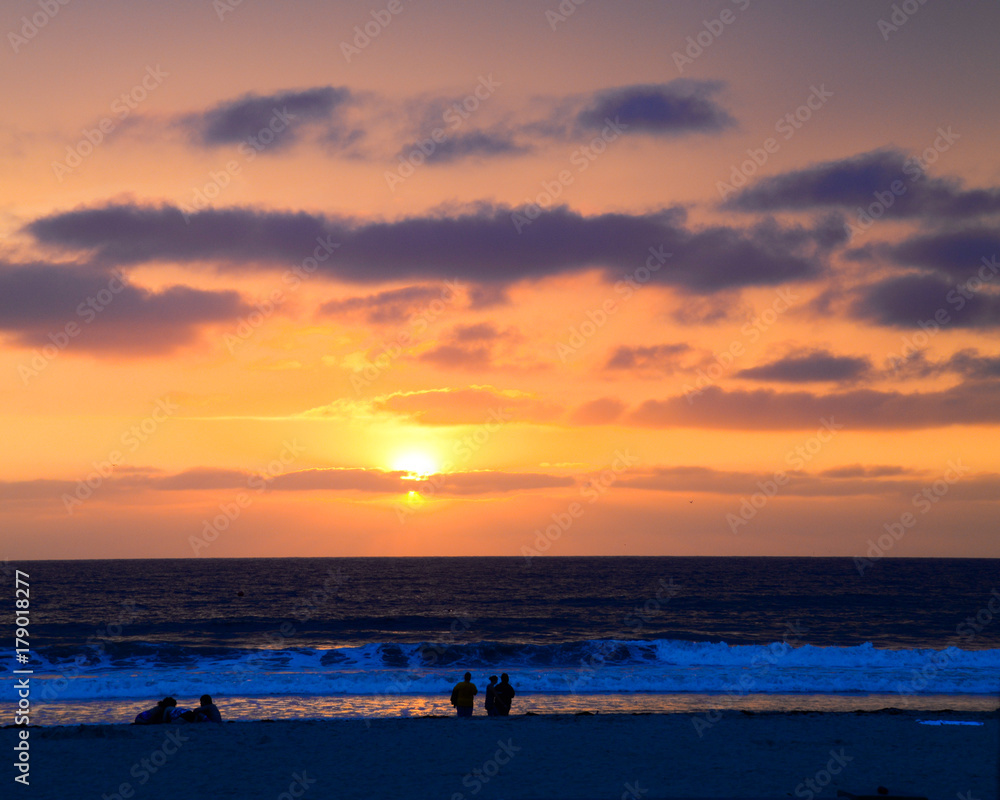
[418, 464]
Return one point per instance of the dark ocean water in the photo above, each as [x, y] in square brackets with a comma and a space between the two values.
[359, 628]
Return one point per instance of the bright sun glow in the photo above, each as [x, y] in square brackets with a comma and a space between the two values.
[418, 465]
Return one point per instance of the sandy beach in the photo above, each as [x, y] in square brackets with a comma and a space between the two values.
[561, 756]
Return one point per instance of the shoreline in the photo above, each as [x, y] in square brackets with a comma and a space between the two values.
[729, 754]
[948, 714]
[404, 706]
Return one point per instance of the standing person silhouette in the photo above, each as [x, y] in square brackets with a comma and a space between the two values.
[491, 697]
[463, 696]
[504, 694]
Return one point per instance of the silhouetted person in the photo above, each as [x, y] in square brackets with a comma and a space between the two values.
[158, 713]
[207, 711]
[463, 696]
[504, 694]
[491, 697]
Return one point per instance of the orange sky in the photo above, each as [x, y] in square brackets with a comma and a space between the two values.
[499, 281]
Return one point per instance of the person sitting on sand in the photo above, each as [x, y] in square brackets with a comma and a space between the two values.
[207, 711]
[157, 714]
[462, 696]
[491, 697]
[504, 694]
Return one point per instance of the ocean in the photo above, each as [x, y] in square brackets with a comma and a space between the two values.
[376, 637]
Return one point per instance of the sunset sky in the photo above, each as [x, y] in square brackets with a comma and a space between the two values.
[519, 278]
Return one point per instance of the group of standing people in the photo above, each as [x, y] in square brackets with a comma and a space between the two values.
[497, 701]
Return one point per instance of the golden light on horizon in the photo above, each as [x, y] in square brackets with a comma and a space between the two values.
[417, 463]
